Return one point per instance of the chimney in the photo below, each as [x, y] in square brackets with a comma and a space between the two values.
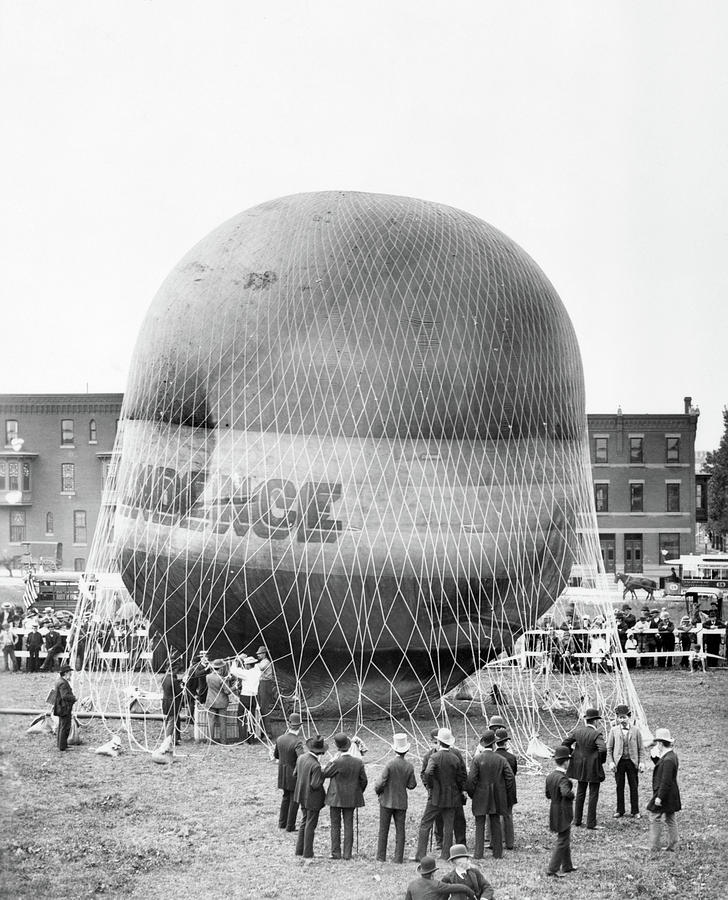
[688, 401]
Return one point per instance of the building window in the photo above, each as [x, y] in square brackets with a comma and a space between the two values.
[17, 526]
[79, 526]
[635, 450]
[11, 431]
[601, 497]
[669, 547]
[68, 478]
[701, 497]
[49, 523]
[673, 497]
[79, 564]
[25, 468]
[3, 475]
[672, 449]
[66, 432]
[13, 476]
[92, 431]
[636, 497]
[600, 450]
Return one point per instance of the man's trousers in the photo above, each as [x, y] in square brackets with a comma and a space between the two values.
[626, 768]
[591, 813]
[385, 817]
[496, 836]
[306, 832]
[289, 812]
[337, 813]
[561, 855]
[428, 819]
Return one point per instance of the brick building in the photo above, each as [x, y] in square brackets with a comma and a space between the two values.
[53, 463]
[643, 469]
[58, 448]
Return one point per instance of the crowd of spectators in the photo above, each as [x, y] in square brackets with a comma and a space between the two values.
[41, 638]
[651, 640]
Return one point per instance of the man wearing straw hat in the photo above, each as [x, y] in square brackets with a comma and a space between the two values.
[665, 800]
[445, 777]
[398, 777]
[464, 873]
[288, 748]
[427, 888]
[309, 793]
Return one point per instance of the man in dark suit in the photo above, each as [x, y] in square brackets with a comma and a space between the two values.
[665, 800]
[491, 785]
[428, 888]
[309, 793]
[459, 826]
[501, 748]
[561, 813]
[445, 779]
[54, 646]
[587, 765]
[398, 777]
[463, 873]
[348, 781]
[63, 706]
[33, 644]
[288, 748]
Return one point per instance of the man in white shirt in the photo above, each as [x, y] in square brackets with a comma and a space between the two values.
[248, 676]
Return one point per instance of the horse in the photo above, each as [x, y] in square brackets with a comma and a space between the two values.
[634, 583]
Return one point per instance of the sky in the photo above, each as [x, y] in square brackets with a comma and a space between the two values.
[594, 134]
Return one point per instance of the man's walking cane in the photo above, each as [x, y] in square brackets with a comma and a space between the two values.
[356, 813]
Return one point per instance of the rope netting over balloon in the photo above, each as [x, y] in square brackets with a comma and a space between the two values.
[354, 433]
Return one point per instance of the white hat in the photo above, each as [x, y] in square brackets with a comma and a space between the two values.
[444, 736]
[400, 743]
[663, 735]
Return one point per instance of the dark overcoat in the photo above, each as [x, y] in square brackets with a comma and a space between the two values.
[590, 752]
[348, 782]
[474, 879]
[397, 778]
[559, 791]
[491, 784]
[664, 785]
[445, 777]
[309, 790]
[287, 750]
[510, 758]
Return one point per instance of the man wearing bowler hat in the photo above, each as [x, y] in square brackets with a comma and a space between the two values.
[492, 786]
[465, 873]
[348, 781]
[309, 793]
[288, 748]
[502, 739]
[559, 790]
[625, 757]
[445, 779]
[586, 765]
[398, 777]
[427, 888]
[63, 706]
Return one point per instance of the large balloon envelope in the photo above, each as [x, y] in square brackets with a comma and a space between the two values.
[353, 432]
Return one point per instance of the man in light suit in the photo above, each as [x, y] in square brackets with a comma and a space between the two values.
[625, 757]
[445, 778]
[348, 781]
[586, 765]
[288, 748]
[309, 793]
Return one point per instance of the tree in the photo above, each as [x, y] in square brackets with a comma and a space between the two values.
[716, 465]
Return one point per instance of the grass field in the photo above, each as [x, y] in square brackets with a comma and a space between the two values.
[80, 825]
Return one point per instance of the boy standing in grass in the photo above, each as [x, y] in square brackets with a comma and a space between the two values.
[559, 791]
